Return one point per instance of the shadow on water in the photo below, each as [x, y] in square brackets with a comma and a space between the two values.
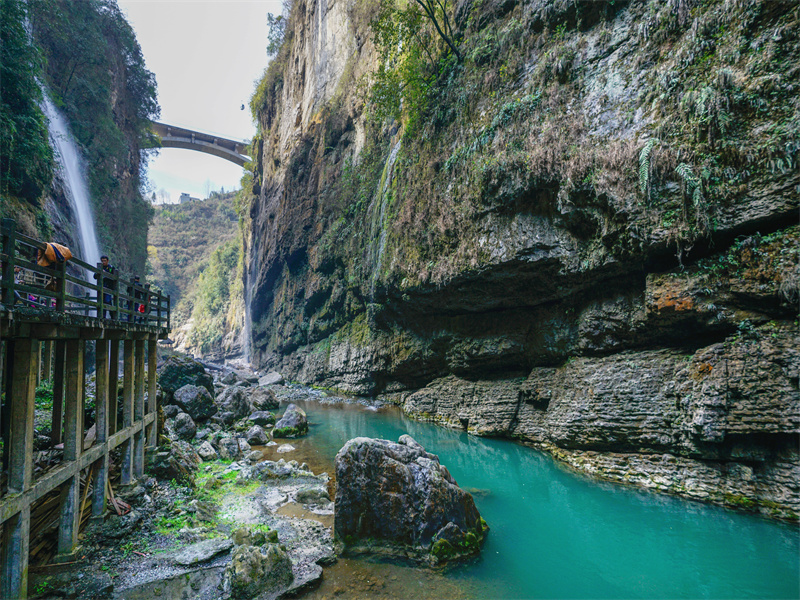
[557, 534]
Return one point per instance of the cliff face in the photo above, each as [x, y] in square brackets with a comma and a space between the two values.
[95, 73]
[588, 242]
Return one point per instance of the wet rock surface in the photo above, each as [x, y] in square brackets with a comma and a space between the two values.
[178, 371]
[196, 401]
[292, 424]
[395, 498]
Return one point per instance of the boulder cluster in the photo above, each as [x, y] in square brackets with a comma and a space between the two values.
[224, 419]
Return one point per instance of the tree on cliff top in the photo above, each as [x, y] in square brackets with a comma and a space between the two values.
[409, 43]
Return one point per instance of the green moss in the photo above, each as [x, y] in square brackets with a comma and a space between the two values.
[289, 432]
[442, 550]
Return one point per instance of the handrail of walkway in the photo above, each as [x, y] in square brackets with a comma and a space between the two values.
[104, 296]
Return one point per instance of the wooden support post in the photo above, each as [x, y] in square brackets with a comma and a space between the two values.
[58, 391]
[101, 426]
[39, 348]
[14, 552]
[73, 445]
[23, 390]
[113, 381]
[152, 403]
[138, 411]
[127, 412]
[16, 530]
[5, 420]
[47, 361]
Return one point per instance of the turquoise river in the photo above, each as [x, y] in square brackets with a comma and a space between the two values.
[558, 534]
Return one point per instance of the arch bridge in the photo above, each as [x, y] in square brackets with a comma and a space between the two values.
[179, 137]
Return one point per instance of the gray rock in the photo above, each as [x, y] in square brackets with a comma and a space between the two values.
[312, 495]
[292, 424]
[184, 427]
[263, 399]
[206, 452]
[225, 417]
[171, 410]
[255, 455]
[179, 462]
[231, 378]
[244, 447]
[252, 573]
[283, 448]
[425, 501]
[178, 371]
[255, 435]
[242, 537]
[262, 418]
[272, 378]
[234, 400]
[201, 551]
[228, 448]
[196, 401]
[120, 527]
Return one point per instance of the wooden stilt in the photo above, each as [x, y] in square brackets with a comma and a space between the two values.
[47, 361]
[138, 410]
[113, 380]
[58, 391]
[5, 420]
[127, 411]
[73, 445]
[16, 530]
[14, 555]
[101, 404]
[152, 404]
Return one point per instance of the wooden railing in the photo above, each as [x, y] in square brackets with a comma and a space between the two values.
[74, 286]
[67, 311]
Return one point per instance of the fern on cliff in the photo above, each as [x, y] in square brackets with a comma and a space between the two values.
[644, 166]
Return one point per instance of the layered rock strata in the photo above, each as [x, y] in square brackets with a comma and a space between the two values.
[588, 242]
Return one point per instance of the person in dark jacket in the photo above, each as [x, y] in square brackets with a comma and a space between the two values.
[108, 283]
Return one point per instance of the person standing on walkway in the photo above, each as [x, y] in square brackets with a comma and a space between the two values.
[108, 283]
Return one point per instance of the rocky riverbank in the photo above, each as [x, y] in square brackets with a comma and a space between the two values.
[224, 512]
[213, 517]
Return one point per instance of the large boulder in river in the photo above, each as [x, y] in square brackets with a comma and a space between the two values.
[292, 424]
[178, 371]
[234, 400]
[196, 401]
[396, 498]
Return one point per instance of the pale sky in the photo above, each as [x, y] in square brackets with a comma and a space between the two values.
[206, 56]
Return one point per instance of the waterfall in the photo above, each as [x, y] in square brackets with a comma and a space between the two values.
[386, 180]
[69, 159]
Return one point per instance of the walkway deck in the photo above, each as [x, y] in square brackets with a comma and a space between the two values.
[50, 320]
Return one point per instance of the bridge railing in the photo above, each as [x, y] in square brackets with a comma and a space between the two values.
[73, 286]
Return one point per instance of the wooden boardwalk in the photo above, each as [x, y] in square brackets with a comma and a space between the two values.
[52, 321]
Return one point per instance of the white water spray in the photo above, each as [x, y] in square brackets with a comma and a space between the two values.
[69, 158]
